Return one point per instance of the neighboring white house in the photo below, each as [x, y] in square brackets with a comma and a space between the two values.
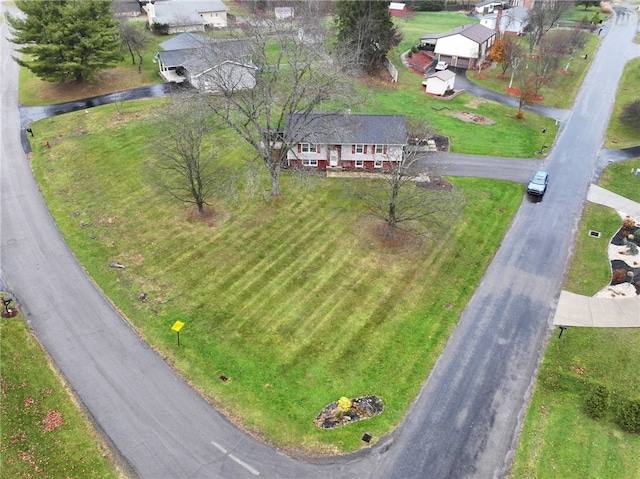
[440, 82]
[513, 21]
[284, 13]
[487, 6]
[346, 141]
[187, 15]
[207, 64]
[464, 47]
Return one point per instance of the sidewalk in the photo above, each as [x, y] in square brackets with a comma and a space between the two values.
[577, 310]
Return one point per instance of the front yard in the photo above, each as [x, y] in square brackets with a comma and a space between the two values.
[295, 301]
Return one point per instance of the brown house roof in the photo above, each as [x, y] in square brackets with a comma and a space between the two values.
[475, 31]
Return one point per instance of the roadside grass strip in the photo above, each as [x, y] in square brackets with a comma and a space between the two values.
[559, 439]
[43, 432]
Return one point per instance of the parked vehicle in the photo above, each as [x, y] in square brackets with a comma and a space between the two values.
[442, 66]
[538, 184]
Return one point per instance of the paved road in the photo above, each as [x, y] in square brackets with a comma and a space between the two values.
[463, 83]
[465, 420]
[160, 427]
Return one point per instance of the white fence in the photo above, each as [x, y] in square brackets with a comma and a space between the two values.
[392, 70]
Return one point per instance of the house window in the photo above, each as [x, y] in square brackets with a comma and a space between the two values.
[378, 149]
[377, 163]
[359, 163]
[308, 148]
[309, 162]
[359, 148]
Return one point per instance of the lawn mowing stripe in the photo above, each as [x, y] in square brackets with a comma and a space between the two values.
[261, 280]
[294, 301]
[262, 271]
[289, 322]
[276, 246]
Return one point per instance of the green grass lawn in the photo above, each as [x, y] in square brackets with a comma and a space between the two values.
[579, 12]
[43, 432]
[559, 439]
[34, 91]
[561, 91]
[619, 135]
[506, 137]
[428, 22]
[295, 301]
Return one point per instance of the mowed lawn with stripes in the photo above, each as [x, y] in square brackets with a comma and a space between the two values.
[295, 301]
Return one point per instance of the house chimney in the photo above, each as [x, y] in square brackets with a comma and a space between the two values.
[498, 20]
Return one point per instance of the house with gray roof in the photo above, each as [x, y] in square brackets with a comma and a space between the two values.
[488, 6]
[511, 21]
[207, 64]
[466, 46]
[345, 141]
[187, 15]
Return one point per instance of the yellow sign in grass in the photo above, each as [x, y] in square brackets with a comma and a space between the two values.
[177, 326]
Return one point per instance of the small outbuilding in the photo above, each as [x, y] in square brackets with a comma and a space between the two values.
[397, 9]
[440, 82]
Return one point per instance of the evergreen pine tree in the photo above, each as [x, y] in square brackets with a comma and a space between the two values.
[366, 32]
[65, 39]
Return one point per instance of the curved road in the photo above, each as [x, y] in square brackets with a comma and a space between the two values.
[464, 422]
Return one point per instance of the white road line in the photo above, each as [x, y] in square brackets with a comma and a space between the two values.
[219, 447]
[252, 470]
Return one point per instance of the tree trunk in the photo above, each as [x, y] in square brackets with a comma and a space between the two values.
[133, 59]
[392, 220]
[275, 184]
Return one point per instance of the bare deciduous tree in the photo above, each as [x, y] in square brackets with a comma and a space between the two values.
[551, 50]
[511, 52]
[409, 196]
[574, 39]
[185, 159]
[543, 16]
[294, 74]
[135, 39]
[529, 85]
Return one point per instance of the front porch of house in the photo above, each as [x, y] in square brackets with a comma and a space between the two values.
[172, 75]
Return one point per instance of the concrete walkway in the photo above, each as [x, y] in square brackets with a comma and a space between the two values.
[622, 312]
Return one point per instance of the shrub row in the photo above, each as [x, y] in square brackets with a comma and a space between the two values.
[599, 403]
